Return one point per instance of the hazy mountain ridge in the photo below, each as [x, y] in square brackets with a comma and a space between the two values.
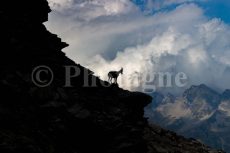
[200, 112]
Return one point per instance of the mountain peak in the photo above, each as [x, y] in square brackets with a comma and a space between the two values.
[202, 92]
[201, 87]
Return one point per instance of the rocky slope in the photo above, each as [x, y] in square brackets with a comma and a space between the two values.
[58, 119]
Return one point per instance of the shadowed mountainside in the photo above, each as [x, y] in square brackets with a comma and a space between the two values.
[57, 119]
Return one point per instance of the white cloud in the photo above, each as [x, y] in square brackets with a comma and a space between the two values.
[91, 9]
[60, 4]
[181, 40]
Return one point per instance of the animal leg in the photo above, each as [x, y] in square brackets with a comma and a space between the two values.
[110, 79]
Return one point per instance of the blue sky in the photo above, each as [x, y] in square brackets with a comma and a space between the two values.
[213, 8]
[218, 8]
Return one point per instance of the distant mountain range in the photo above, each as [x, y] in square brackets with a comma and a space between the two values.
[200, 112]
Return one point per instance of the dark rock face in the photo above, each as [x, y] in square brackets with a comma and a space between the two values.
[57, 119]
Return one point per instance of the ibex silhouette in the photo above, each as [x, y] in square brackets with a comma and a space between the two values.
[114, 75]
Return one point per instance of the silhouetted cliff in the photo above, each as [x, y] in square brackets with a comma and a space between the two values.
[58, 119]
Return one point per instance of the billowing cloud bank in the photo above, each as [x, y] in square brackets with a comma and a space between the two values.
[108, 34]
